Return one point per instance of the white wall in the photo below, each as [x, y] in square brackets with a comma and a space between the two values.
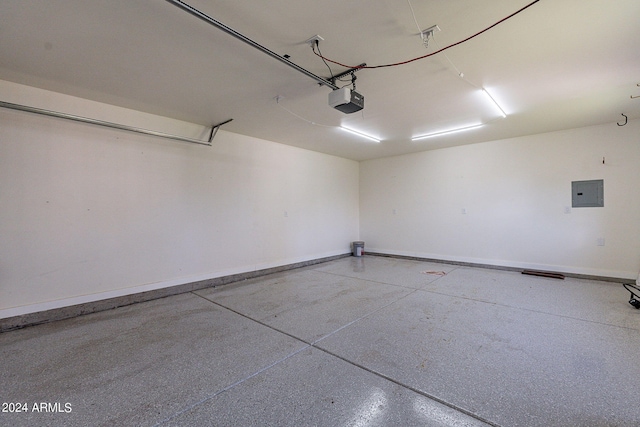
[515, 193]
[88, 213]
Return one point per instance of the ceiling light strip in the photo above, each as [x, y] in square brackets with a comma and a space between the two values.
[431, 135]
[495, 103]
[360, 134]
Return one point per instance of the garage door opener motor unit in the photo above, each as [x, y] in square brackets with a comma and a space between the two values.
[346, 100]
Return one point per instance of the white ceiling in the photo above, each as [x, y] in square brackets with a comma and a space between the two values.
[559, 64]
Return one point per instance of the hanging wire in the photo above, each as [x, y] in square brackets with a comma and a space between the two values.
[457, 70]
[278, 98]
[334, 79]
[425, 40]
[317, 45]
[429, 54]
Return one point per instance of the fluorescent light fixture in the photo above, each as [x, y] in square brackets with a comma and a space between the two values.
[495, 103]
[445, 132]
[360, 134]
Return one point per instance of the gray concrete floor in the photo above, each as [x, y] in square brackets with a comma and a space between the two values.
[368, 341]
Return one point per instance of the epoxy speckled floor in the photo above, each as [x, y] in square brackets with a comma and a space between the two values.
[368, 341]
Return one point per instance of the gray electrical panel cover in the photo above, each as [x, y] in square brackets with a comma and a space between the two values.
[587, 194]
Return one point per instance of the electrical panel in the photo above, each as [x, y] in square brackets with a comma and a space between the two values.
[587, 194]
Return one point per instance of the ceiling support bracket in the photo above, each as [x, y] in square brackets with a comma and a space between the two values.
[214, 130]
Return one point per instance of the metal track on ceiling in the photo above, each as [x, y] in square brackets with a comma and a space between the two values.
[206, 18]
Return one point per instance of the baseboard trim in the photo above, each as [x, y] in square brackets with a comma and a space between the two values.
[498, 267]
[52, 315]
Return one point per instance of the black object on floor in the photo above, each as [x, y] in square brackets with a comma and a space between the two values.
[543, 274]
[634, 299]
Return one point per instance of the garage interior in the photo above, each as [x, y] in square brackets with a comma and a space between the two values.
[180, 191]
